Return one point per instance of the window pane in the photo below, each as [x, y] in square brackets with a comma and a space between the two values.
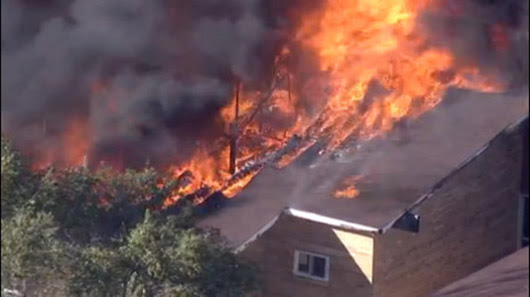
[319, 267]
[303, 262]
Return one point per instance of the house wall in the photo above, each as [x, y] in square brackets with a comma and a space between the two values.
[468, 223]
[350, 255]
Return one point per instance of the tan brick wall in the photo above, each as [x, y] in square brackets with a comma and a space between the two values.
[350, 259]
[470, 222]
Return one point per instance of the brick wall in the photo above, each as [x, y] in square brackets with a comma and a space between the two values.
[467, 224]
[273, 254]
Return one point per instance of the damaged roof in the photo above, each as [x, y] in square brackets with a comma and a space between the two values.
[394, 171]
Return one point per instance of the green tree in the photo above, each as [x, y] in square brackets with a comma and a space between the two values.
[87, 205]
[160, 257]
[32, 256]
[77, 232]
[11, 173]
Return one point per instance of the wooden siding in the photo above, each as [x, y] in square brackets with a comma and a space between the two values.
[350, 255]
[467, 224]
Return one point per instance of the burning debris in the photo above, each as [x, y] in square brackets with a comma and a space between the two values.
[217, 90]
[347, 188]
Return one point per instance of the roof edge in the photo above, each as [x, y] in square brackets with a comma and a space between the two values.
[457, 169]
[310, 216]
[257, 235]
[314, 217]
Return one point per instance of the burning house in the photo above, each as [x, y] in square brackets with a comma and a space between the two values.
[426, 211]
[345, 112]
[215, 90]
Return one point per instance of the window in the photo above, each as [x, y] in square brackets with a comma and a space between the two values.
[311, 265]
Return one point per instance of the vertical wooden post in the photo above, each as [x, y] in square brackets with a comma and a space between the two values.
[288, 97]
[233, 134]
[237, 102]
[233, 150]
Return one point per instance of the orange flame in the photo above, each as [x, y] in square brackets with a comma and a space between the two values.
[359, 44]
[348, 189]
[74, 147]
[364, 41]
[76, 143]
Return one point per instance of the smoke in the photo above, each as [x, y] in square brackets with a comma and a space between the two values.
[138, 72]
[492, 34]
[145, 79]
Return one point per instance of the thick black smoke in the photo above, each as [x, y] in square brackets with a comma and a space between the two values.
[140, 73]
[148, 77]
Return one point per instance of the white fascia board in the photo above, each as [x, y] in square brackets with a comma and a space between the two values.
[310, 216]
[253, 238]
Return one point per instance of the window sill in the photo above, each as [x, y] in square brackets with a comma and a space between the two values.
[312, 279]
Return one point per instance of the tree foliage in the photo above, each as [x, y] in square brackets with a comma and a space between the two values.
[32, 256]
[11, 174]
[77, 232]
[160, 258]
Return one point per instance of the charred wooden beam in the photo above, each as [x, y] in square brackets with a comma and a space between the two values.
[234, 134]
[206, 199]
[262, 102]
[183, 180]
[233, 148]
[238, 86]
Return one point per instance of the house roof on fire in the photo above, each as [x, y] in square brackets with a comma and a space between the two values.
[507, 277]
[394, 171]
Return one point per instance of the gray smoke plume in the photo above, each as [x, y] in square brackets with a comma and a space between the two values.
[149, 77]
[491, 34]
[161, 66]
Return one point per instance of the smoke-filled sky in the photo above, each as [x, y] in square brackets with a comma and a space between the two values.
[463, 32]
[148, 77]
[162, 64]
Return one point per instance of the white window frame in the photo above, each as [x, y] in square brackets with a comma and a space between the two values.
[308, 275]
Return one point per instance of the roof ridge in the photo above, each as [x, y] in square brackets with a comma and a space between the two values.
[350, 225]
[457, 169]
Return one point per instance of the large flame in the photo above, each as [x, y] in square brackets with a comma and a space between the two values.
[360, 43]
[374, 70]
